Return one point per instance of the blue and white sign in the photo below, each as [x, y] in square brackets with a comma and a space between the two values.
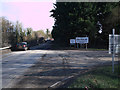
[72, 41]
[82, 40]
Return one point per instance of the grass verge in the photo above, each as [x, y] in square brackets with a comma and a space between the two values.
[102, 77]
[97, 49]
[57, 46]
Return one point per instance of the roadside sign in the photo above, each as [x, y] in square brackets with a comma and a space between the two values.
[114, 43]
[114, 46]
[82, 40]
[72, 41]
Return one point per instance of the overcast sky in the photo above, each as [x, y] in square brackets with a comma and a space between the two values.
[31, 13]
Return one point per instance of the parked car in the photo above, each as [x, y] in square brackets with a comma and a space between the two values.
[20, 46]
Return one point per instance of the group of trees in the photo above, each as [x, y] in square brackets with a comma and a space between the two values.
[13, 33]
[6, 32]
[80, 19]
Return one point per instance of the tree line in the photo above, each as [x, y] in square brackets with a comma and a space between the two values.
[80, 19]
[13, 33]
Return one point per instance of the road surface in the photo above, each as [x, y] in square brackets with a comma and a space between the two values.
[43, 68]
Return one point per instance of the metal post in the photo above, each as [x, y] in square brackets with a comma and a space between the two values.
[113, 54]
[77, 45]
[86, 44]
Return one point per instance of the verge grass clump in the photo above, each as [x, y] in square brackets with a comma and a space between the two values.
[101, 77]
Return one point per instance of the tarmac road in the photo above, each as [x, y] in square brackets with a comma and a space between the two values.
[44, 68]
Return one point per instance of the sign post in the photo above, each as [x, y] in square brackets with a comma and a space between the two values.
[114, 46]
[113, 54]
[86, 44]
[77, 45]
[82, 40]
[72, 42]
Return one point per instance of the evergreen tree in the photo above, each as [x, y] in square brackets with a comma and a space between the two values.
[73, 19]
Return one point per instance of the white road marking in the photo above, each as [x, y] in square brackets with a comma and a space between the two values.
[61, 81]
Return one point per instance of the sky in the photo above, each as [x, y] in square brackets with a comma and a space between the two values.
[31, 13]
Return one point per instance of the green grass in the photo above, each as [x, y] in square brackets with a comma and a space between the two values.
[97, 49]
[62, 46]
[102, 77]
